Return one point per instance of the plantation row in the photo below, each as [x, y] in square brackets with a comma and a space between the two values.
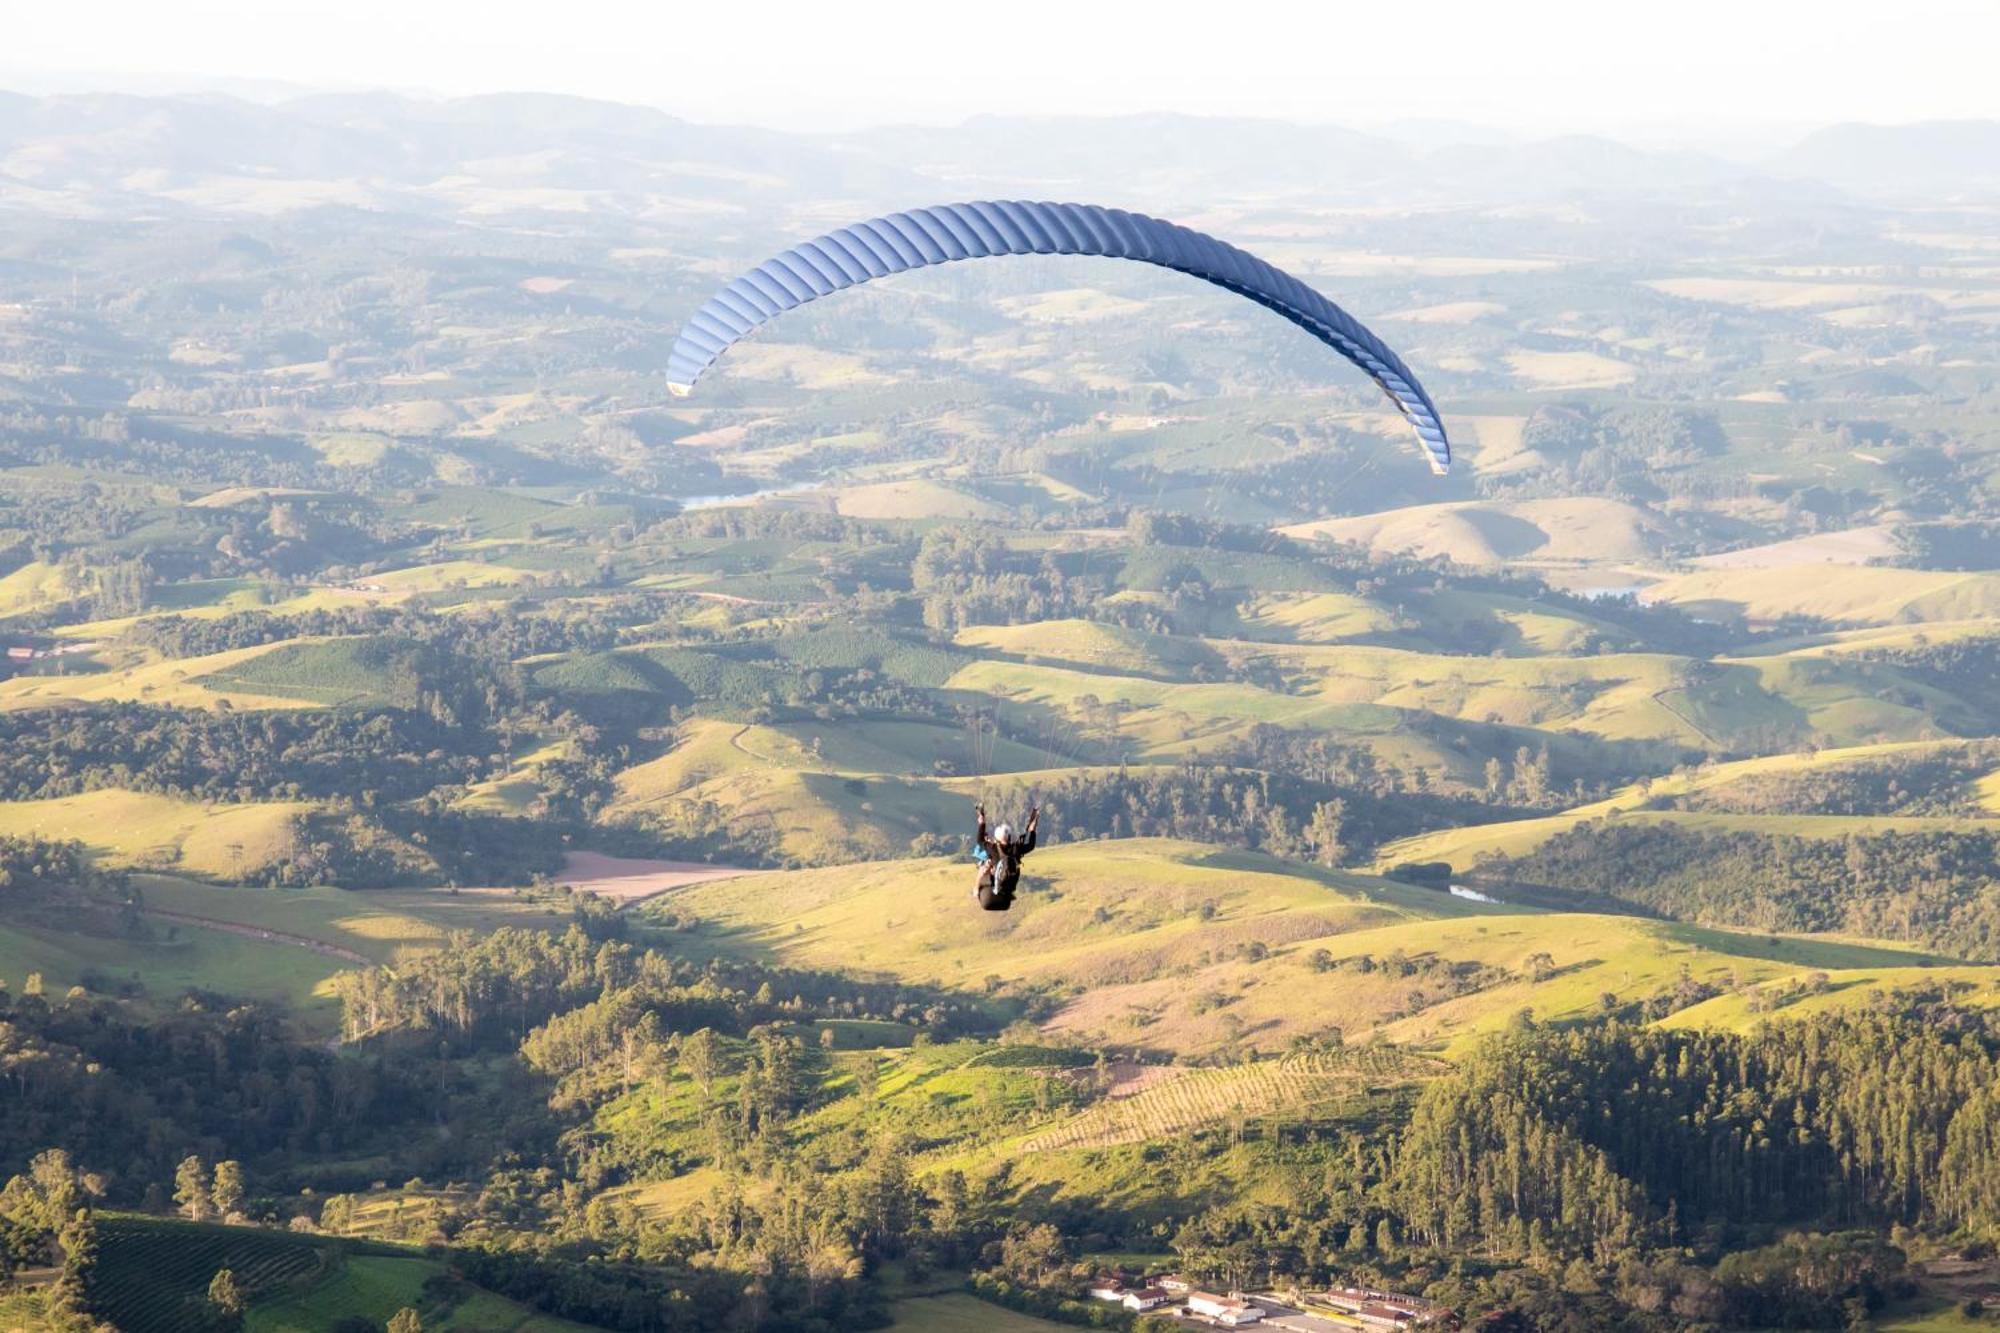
[1200, 1097]
[152, 1275]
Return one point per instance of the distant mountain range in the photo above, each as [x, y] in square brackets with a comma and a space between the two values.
[1957, 157]
[102, 153]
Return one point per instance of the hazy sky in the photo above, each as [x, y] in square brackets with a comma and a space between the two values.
[1539, 65]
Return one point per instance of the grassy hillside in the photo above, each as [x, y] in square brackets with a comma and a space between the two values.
[372, 924]
[1034, 1119]
[1580, 528]
[1872, 638]
[328, 672]
[520, 788]
[1317, 617]
[1973, 987]
[1082, 643]
[448, 575]
[1165, 720]
[819, 791]
[1856, 596]
[128, 676]
[1176, 947]
[36, 585]
[1450, 621]
[376, 1286]
[1634, 698]
[142, 830]
[1462, 847]
[176, 958]
[273, 945]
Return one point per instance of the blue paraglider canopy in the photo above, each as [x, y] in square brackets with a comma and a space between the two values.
[922, 237]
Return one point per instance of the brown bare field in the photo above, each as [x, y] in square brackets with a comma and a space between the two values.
[629, 880]
[1853, 546]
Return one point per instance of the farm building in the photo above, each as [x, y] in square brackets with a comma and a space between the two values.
[1384, 1309]
[1145, 1298]
[1229, 1311]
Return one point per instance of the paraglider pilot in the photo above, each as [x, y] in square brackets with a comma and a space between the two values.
[999, 856]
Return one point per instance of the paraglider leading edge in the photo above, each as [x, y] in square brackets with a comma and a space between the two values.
[946, 233]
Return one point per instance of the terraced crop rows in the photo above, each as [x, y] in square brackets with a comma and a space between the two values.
[384, 1218]
[1200, 1097]
[148, 1269]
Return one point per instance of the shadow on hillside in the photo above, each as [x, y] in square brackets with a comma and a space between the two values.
[1799, 951]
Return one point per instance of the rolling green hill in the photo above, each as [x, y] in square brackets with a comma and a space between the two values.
[791, 783]
[138, 677]
[1856, 596]
[1176, 947]
[1581, 528]
[276, 946]
[1462, 847]
[330, 672]
[146, 831]
[175, 958]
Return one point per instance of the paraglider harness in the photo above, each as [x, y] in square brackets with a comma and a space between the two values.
[1000, 863]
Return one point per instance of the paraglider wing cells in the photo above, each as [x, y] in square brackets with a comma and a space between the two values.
[926, 236]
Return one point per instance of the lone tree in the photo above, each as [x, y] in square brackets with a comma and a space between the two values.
[227, 1192]
[226, 1297]
[191, 1189]
[336, 1214]
[701, 1058]
[1328, 819]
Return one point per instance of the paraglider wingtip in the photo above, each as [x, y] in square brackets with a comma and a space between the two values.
[1440, 469]
[679, 390]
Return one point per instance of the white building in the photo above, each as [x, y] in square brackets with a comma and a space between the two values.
[1229, 1311]
[1145, 1298]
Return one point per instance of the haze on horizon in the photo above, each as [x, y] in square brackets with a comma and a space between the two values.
[1709, 71]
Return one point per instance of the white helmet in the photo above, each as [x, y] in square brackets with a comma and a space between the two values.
[1004, 833]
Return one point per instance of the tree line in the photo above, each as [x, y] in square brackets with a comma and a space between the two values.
[1937, 888]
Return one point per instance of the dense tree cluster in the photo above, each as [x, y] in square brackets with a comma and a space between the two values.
[1937, 888]
[1271, 811]
[130, 1095]
[1630, 451]
[31, 867]
[496, 639]
[970, 576]
[287, 754]
[1603, 1139]
[1925, 782]
[1615, 1176]
[502, 988]
[1950, 663]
